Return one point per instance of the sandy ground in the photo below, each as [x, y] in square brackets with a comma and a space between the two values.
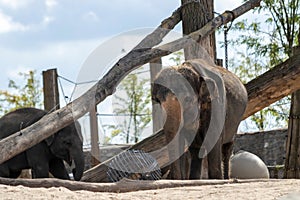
[283, 189]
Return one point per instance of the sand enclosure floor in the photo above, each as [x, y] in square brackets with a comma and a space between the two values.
[262, 190]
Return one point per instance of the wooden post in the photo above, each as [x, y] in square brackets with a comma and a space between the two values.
[219, 62]
[50, 87]
[292, 162]
[95, 152]
[194, 16]
[155, 67]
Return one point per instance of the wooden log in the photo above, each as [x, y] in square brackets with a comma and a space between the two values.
[95, 151]
[125, 185]
[273, 85]
[157, 121]
[156, 144]
[292, 160]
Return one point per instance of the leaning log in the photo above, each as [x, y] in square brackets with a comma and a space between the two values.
[143, 53]
[125, 185]
[273, 85]
[156, 144]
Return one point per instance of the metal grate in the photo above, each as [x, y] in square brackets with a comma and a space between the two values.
[133, 164]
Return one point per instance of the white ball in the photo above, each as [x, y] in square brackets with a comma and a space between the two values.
[246, 165]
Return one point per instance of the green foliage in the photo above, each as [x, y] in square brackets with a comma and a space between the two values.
[267, 42]
[134, 106]
[177, 57]
[18, 96]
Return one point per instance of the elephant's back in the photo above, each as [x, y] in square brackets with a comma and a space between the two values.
[16, 120]
[236, 95]
[237, 98]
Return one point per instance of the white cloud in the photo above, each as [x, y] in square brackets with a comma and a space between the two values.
[47, 20]
[7, 24]
[13, 74]
[15, 4]
[50, 3]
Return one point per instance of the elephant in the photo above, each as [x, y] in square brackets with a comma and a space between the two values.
[189, 112]
[246, 165]
[46, 156]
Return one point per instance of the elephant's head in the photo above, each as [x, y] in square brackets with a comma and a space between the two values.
[67, 145]
[176, 90]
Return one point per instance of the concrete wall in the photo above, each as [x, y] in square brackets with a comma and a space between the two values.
[269, 145]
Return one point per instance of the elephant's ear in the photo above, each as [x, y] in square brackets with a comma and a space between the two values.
[49, 140]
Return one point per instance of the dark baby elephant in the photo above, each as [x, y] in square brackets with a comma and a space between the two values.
[204, 105]
[46, 156]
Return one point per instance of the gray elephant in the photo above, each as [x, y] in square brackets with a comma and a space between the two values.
[46, 156]
[189, 116]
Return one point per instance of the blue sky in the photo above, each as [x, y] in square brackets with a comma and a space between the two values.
[44, 34]
[41, 34]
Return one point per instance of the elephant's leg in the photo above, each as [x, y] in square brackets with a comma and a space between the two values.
[40, 170]
[38, 159]
[185, 165]
[180, 168]
[175, 172]
[196, 163]
[227, 151]
[15, 174]
[214, 159]
[4, 170]
[58, 169]
[174, 151]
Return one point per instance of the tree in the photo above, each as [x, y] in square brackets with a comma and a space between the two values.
[195, 14]
[133, 104]
[18, 96]
[267, 42]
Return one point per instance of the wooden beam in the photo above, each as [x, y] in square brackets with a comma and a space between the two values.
[95, 151]
[156, 144]
[292, 159]
[273, 85]
[157, 120]
[124, 185]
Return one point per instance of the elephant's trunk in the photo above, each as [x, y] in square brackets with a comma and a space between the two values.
[79, 164]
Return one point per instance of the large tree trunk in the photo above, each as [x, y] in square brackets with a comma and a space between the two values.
[194, 16]
[292, 161]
